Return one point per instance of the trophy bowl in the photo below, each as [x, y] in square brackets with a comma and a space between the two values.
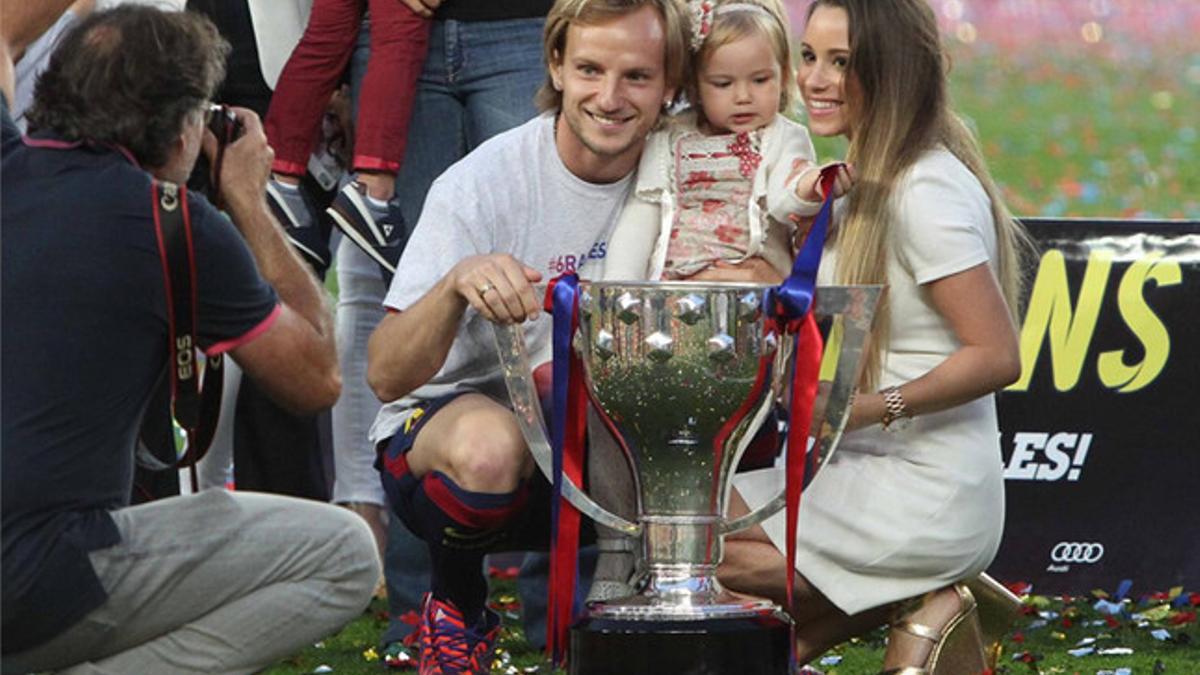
[683, 374]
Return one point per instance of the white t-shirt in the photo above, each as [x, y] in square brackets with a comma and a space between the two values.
[512, 194]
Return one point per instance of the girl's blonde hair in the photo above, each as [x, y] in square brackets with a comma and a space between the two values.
[730, 23]
[896, 92]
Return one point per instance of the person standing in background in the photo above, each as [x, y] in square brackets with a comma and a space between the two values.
[482, 69]
[363, 209]
[272, 449]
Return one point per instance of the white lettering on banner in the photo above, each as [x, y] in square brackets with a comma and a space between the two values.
[1067, 553]
[1037, 455]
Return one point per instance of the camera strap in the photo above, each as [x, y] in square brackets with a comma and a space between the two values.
[195, 408]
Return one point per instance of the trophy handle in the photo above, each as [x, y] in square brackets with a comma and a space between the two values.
[518, 377]
[754, 517]
[850, 309]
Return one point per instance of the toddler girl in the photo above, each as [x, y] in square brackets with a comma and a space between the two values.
[727, 180]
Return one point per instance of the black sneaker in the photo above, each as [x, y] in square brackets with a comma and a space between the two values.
[383, 239]
[304, 234]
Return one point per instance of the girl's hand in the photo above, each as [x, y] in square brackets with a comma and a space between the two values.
[809, 186]
[845, 179]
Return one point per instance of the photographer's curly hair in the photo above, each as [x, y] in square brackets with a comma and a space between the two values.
[130, 76]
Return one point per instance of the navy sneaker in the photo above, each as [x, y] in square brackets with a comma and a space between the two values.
[381, 236]
[299, 222]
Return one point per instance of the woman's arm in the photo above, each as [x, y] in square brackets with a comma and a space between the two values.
[989, 358]
[20, 24]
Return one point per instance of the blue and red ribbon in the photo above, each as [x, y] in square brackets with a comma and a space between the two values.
[568, 433]
[789, 305]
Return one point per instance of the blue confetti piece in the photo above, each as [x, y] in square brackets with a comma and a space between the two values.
[1123, 588]
[1108, 607]
[1180, 600]
[1161, 634]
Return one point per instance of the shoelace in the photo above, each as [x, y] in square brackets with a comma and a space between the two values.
[450, 644]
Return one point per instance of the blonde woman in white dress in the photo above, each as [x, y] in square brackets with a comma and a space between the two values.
[912, 503]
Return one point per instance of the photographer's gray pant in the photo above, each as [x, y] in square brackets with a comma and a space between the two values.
[219, 582]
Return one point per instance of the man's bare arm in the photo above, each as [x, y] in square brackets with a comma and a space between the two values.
[410, 347]
[22, 22]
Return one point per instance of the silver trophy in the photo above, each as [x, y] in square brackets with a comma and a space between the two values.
[685, 374]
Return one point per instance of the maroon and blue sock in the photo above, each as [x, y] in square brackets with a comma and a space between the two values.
[461, 527]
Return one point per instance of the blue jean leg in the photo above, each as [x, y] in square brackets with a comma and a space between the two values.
[479, 79]
[406, 558]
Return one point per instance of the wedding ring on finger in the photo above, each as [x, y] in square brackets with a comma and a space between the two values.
[485, 287]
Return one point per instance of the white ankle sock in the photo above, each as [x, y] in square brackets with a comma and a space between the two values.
[286, 187]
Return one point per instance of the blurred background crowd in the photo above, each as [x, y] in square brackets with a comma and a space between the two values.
[1087, 108]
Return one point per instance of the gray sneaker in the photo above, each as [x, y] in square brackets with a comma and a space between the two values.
[299, 221]
[381, 236]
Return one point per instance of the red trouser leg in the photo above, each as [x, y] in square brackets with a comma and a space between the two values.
[399, 40]
[308, 79]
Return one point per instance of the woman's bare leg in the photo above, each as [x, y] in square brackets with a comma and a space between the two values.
[752, 565]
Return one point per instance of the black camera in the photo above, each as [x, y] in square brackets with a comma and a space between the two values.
[223, 123]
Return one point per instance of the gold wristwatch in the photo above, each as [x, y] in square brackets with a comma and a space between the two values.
[896, 415]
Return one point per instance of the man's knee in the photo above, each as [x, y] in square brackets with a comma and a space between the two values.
[477, 443]
[486, 455]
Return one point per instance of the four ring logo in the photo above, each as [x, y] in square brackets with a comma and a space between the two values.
[1076, 552]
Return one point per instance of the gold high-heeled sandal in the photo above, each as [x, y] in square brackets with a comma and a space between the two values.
[998, 608]
[957, 646]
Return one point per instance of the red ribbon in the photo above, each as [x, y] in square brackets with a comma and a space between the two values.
[805, 369]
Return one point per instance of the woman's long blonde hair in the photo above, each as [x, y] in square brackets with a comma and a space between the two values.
[896, 92]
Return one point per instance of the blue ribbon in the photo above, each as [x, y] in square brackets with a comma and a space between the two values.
[791, 299]
[563, 299]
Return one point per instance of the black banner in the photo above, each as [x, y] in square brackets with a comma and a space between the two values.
[1101, 434]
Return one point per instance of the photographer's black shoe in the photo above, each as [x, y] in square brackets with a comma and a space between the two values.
[299, 222]
[380, 234]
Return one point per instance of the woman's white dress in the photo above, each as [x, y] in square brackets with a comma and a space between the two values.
[897, 513]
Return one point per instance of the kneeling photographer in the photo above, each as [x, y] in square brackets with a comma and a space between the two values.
[206, 583]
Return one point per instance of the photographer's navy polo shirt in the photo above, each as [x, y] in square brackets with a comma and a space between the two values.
[84, 336]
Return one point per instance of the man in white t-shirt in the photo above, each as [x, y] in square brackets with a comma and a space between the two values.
[526, 205]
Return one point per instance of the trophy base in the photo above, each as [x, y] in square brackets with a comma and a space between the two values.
[759, 645]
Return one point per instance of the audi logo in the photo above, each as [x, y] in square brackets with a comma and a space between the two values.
[1076, 552]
